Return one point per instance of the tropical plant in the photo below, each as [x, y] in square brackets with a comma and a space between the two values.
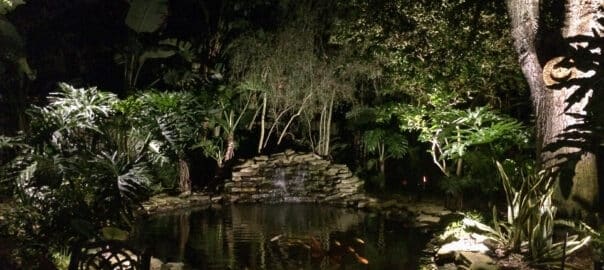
[8, 5]
[232, 105]
[72, 175]
[452, 132]
[142, 17]
[384, 144]
[12, 45]
[175, 122]
[187, 75]
[597, 243]
[528, 227]
[213, 148]
[146, 16]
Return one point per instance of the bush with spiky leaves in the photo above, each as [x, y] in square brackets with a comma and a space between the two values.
[528, 227]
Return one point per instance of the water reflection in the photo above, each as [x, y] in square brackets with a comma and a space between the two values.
[289, 236]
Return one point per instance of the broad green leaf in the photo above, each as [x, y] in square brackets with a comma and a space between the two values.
[113, 233]
[146, 16]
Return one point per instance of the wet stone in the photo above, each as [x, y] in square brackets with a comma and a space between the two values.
[261, 158]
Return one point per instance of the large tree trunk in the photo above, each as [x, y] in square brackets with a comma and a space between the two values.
[561, 93]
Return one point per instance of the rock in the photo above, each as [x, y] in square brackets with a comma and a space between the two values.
[333, 197]
[216, 199]
[155, 264]
[449, 251]
[199, 199]
[448, 266]
[445, 257]
[228, 185]
[331, 172]
[348, 190]
[362, 204]
[345, 175]
[277, 156]
[305, 157]
[261, 158]
[475, 261]
[340, 166]
[248, 190]
[492, 244]
[428, 219]
[388, 204]
[174, 266]
[247, 163]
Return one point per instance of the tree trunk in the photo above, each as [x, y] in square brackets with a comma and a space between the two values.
[230, 151]
[262, 122]
[561, 93]
[184, 183]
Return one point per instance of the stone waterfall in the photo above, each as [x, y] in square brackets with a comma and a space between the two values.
[293, 177]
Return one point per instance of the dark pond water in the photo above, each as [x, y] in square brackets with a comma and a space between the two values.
[288, 236]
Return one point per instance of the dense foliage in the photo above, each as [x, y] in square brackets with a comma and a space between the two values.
[395, 89]
[75, 171]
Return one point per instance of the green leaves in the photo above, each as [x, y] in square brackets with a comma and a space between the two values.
[146, 16]
[529, 227]
[461, 47]
[173, 118]
[386, 143]
[8, 5]
[79, 165]
[452, 132]
[212, 148]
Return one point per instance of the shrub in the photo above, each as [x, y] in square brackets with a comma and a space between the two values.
[528, 226]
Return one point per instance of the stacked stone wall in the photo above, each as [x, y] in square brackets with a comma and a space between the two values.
[293, 177]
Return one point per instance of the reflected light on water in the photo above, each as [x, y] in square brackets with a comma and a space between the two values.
[287, 236]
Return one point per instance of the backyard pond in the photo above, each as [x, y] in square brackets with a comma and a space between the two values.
[284, 236]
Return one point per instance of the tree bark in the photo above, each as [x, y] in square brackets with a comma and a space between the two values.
[230, 150]
[262, 122]
[184, 182]
[560, 93]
